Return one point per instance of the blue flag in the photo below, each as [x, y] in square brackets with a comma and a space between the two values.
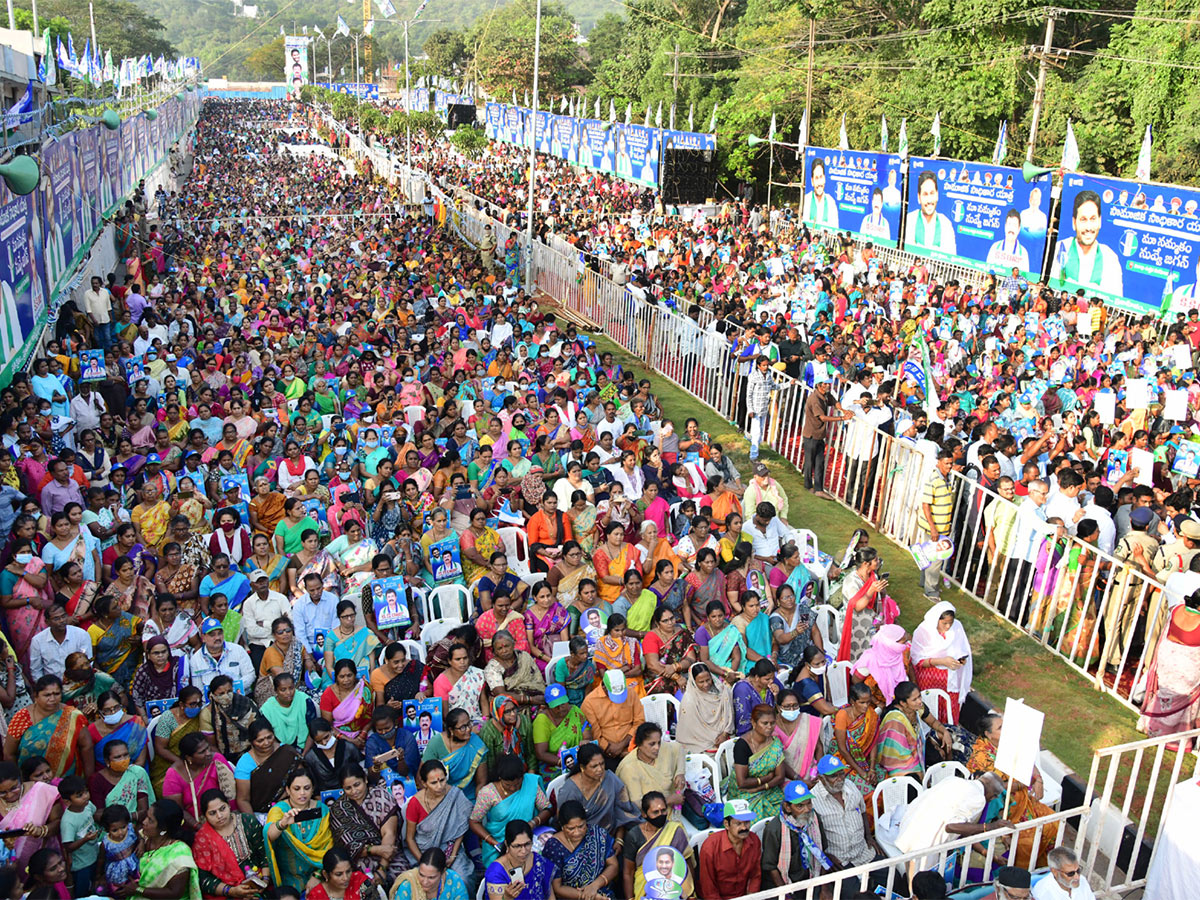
[21, 111]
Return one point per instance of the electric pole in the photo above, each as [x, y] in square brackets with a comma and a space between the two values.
[1040, 91]
[812, 36]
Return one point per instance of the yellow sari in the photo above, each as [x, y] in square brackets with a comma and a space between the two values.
[298, 852]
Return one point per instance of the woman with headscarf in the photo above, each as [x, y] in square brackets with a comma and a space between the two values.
[885, 664]
[941, 654]
[160, 678]
[508, 731]
[706, 712]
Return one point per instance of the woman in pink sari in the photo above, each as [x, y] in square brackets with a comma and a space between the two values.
[25, 593]
[545, 623]
[347, 704]
[32, 805]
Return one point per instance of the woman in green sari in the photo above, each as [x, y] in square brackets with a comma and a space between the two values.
[752, 623]
[116, 640]
[168, 871]
[560, 725]
[461, 751]
[758, 766]
[721, 644]
[119, 783]
[358, 645]
[172, 727]
[577, 672]
[295, 849]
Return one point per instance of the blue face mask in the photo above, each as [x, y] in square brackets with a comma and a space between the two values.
[191, 711]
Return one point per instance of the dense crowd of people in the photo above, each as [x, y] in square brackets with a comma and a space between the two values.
[354, 567]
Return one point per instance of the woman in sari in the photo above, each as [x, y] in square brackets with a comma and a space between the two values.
[285, 655]
[721, 644]
[168, 869]
[655, 831]
[668, 650]
[537, 872]
[120, 782]
[705, 713]
[151, 517]
[604, 798]
[884, 664]
[655, 765]
[116, 640]
[476, 545]
[69, 544]
[30, 805]
[703, 585]
[1173, 681]
[439, 530]
[178, 578]
[612, 559]
[437, 818]
[582, 515]
[347, 703]
[461, 752]
[145, 563]
[180, 632]
[512, 794]
[799, 735]
[1072, 598]
[170, 729]
[352, 552]
[652, 549]
[295, 849]
[617, 651]
[25, 594]
[365, 821]
[462, 686]
[508, 732]
[263, 556]
[345, 641]
[513, 673]
[227, 718]
[941, 654]
[546, 620]
[430, 880]
[863, 603]
[576, 673]
[793, 626]
[568, 572]
[126, 728]
[559, 725]
[50, 730]
[229, 847]
[311, 559]
[855, 728]
[901, 743]
[501, 617]
[583, 854]
[758, 766]
[753, 624]
[75, 593]
[133, 592]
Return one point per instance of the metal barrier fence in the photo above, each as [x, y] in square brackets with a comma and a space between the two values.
[1099, 614]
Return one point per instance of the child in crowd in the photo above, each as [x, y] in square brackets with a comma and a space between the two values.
[120, 848]
[80, 836]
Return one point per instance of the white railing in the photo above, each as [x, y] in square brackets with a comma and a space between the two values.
[878, 476]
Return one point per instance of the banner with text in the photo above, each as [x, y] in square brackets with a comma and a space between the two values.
[977, 214]
[295, 63]
[853, 191]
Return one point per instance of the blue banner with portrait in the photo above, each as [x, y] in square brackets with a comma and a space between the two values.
[362, 90]
[1135, 245]
[848, 190]
[976, 214]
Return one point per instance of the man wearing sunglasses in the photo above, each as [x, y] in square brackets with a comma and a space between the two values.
[1065, 881]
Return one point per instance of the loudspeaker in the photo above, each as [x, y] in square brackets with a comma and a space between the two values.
[460, 114]
[687, 176]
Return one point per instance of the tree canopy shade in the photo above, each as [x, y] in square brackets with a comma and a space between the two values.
[504, 49]
[123, 27]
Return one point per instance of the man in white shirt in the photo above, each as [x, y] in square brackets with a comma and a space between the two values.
[86, 407]
[1064, 502]
[51, 646]
[217, 656]
[610, 423]
[97, 305]
[1065, 881]
[765, 531]
[260, 609]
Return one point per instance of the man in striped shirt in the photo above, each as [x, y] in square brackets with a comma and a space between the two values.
[937, 504]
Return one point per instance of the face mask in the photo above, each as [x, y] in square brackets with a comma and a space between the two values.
[119, 765]
[341, 451]
[817, 670]
[370, 443]
[327, 743]
[114, 718]
[24, 558]
[191, 711]
[790, 715]
[229, 527]
[225, 700]
[658, 821]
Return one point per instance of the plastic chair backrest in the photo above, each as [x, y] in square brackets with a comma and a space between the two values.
[725, 758]
[939, 772]
[432, 632]
[937, 702]
[899, 790]
[837, 682]
[829, 625]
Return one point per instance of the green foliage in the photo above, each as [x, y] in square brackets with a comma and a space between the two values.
[57, 26]
[606, 40]
[470, 142]
[447, 51]
[265, 63]
[121, 26]
[504, 49]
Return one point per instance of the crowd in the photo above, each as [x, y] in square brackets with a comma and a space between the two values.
[355, 567]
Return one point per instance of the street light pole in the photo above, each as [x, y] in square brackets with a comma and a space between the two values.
[537, 53]
[407, 106]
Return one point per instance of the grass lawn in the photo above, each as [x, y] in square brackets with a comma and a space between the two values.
[1008, 663]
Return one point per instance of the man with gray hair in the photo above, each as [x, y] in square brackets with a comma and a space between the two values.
[1065, 881]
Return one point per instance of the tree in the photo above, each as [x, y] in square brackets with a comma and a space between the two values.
[471, 142]
[504, 48]
[266, 62]
[447, 50]
[606, 39]
[121, 26]
[58, 26]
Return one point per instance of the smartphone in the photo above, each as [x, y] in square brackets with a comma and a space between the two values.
[963, 659]
[883, 576]
[387, 757]
[256, 881]
[517, 875]
[307, 815]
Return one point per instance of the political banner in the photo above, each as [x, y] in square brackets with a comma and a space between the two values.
[87, 150]
[975, 214]
[91, 366]
[21, 286]
[638, 154]
[855, 192]
[389, 598]
[295, 63]
[60, 223]
[125, 162]
[109, 164]
[445, 560]
[1135, 245]
[423, 719]
[362, 90]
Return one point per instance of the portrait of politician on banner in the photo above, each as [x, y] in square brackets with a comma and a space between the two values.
[1083, 260]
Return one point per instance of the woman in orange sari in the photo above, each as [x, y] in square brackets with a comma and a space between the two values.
[611, 560]
[652, 549]
[47, 728]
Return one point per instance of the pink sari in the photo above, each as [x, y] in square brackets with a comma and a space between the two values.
[25, 622]
[352, 715]
[801, 748]
[546, 630]
[34, 809]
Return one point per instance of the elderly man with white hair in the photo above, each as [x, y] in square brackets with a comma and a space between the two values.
[1065, 881]
[951, 809]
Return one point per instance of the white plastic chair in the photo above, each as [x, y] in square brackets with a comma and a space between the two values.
[700, 837]
[706, 761]
[557, 782]
[414, 414]
[725, 758]
[416, 650]
[447, 602]
[658, 709]
[829, 626]
[837, 682]
[939, 772]
[550, 667]
[757, 828]
[516, 548]
[936, 700]
[432, 632]
[899, 790]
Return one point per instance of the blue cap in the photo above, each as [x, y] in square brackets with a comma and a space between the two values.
[556, 695]
[738, 810]
[211, 624]
[796, 792]
[153, 458]
[229, 484]
[830, 765]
